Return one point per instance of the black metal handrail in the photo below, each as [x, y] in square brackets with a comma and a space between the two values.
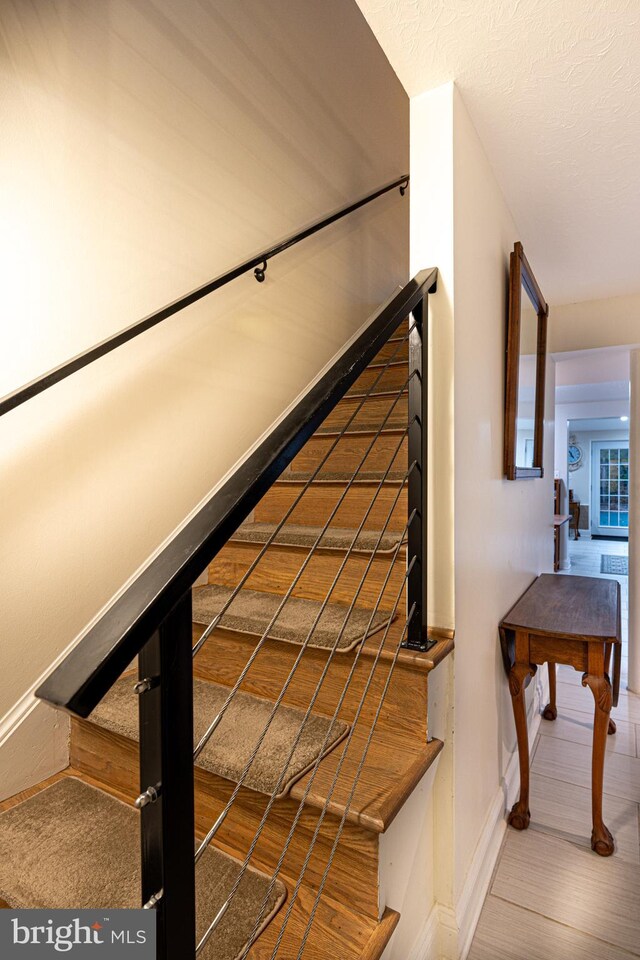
[152, 618]
[257, 263]
[92, 667]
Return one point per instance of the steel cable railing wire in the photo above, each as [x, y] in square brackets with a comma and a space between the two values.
[215, 723]
[320, 756]
[340, 764]
[345, 814]
[216, 620]
[277, 788]
[221, 817]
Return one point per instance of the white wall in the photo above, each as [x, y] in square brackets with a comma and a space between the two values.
[148, 147]
[413, 883]
[502, 530]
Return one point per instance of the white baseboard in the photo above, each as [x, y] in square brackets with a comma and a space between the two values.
[476, 886]
[34, 744]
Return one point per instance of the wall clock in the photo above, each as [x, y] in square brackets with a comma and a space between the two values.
[575, 454]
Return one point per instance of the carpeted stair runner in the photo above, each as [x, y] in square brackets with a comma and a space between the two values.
[73, 846]
[233, 742]
[251, 612]
[335, 538]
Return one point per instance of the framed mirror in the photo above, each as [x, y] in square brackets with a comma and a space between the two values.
[526, 362]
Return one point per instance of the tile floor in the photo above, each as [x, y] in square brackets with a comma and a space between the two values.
[550, 896]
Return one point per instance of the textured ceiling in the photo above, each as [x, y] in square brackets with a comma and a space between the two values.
[553, 87]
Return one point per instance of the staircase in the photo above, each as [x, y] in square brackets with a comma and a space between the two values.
[274, 713]
[345, 589]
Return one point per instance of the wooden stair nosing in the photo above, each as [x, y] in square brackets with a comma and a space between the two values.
[346, 481]
[415, 660]
[381, 807]
[319, 548]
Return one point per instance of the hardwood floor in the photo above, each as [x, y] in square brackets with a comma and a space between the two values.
[551, 896]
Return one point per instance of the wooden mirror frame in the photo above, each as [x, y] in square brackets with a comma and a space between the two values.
[521, 274]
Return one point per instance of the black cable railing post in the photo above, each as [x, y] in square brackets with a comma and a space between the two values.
[166, 801]
[417, 631]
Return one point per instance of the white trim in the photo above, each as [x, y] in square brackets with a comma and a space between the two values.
[476, 886]
[456, 927]
[426, 947]
[34, 744]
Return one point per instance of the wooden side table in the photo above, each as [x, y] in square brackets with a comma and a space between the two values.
[574, 509]
[558, 520]
[572, 620]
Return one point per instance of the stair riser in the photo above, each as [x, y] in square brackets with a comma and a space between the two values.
[278, 568]
[319, 500]
[373, 410]
[349, 451]
[389, 350]
[392, 378]
[224, 655]
[91, 745]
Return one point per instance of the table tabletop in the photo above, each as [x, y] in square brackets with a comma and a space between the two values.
[557, 605]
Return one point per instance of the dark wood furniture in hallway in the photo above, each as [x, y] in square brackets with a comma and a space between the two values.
[558, 520]
[576, 621]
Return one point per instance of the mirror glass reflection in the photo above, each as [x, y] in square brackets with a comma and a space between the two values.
[525, 418]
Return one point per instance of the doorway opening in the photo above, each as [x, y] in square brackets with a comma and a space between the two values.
[598, 477]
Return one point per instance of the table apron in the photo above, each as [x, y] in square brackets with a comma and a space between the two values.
[554, 650]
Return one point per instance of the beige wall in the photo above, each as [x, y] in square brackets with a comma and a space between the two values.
[490, 537]
[504, 532]
[146, 148]
[595, 323]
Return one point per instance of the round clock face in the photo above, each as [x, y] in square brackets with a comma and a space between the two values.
[575, 456]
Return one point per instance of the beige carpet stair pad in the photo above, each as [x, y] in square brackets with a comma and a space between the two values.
[227, 752]
[252, 611]
[73, 846]
[335, 538]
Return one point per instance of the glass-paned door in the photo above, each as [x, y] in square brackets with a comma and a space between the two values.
[610, 488]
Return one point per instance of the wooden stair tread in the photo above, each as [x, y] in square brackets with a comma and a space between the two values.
[340, 476]
[337, 931]
[300, 621]
[393, 767]
[231, 745]
[337, 482]
[396, 760]
[114, 761]
[71, 828]
[382, 364]
[375, 393]
[395, 425]
[340, 574]
[334, 538]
